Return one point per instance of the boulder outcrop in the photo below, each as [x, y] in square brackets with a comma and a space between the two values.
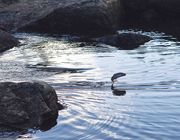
[62, 16]
[27, 105]
[152, 10]
[7, 41]
[88, 17]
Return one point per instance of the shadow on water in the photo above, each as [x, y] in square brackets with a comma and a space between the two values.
[57, 69]
[23, 134]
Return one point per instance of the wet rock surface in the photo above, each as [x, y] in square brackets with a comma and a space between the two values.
[7, 41]
[152, 10]
[27, 105]
[124, 40]
[65, 16]
[85, 17]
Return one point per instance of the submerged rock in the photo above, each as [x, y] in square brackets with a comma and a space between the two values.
[124, 40]
[7, 41]
[65, 16]
[27, 105]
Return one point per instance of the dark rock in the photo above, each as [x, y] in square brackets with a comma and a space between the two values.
[86, 17]
[7, 41]
[3, 29]
[166, 8]
[124, 40]
[65, 16]
[152, 15]
[27, 105]
[150, 10]
[8, 1]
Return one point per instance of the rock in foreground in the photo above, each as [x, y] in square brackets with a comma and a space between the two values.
[27, 105]
[7, 41]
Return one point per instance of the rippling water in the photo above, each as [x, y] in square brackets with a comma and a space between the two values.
[145, 104]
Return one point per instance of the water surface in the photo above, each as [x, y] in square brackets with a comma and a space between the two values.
[145, 104]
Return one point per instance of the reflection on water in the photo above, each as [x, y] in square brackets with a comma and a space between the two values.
[146, 105]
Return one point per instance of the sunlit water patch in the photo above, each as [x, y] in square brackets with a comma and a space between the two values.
[142, 105]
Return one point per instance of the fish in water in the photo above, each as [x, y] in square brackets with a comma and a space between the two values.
[117, 75]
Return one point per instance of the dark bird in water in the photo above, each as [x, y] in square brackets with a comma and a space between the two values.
[117, 92]
[117, 75]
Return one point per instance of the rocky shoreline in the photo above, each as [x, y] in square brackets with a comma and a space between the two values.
[94, 20]
[95, 17]
[87, 18]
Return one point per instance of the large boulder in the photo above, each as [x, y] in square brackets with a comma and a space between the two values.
[7, 41]
[90, 17]
[27, 105]
[149, 10]
[153, 15]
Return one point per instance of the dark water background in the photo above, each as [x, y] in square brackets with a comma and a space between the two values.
[144, 105]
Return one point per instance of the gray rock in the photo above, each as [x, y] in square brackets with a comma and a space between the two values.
[27, 105]
[124, 40]
[86, 17]
[62, 16]
[7, 41]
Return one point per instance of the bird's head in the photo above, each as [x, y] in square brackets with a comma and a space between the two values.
[117, 75]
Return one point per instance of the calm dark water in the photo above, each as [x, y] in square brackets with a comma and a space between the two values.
[144, 105]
